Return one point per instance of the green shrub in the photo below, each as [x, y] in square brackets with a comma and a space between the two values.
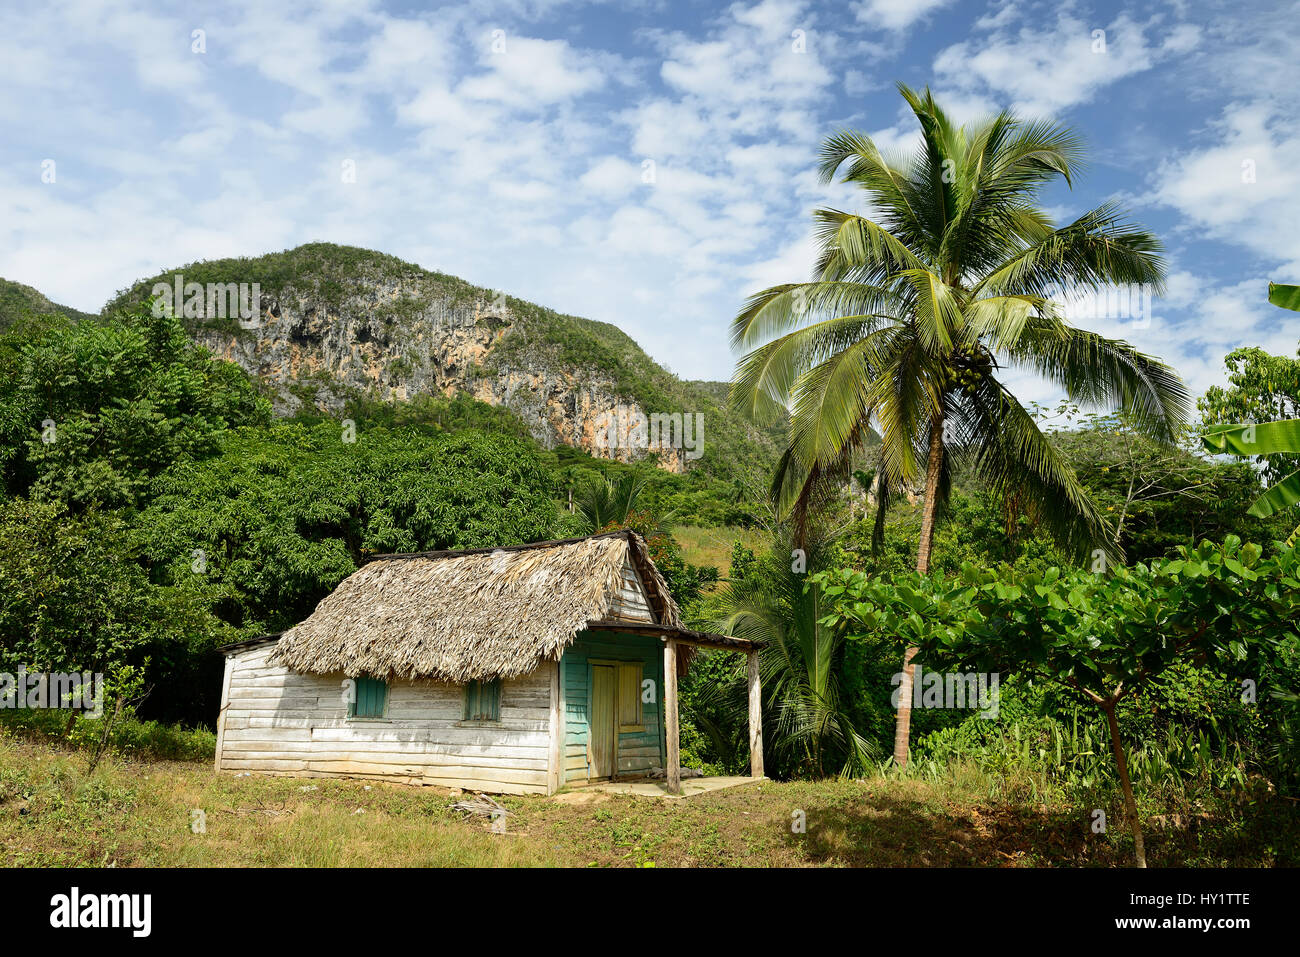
[145, 740]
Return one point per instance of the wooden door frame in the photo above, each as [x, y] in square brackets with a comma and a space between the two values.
[592, 664]
[591, 706]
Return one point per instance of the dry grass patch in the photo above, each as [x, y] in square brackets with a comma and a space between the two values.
[712, 546]
[140, 814]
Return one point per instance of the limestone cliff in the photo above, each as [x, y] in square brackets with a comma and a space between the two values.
[334, 321]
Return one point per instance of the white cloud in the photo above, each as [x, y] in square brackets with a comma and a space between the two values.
[793, 263]
[1046, 70]
[1244, 189]
[529, 73]
[612, 176]
[896, 14]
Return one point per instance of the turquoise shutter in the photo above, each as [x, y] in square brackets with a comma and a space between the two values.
[483, 701]
[372, 694]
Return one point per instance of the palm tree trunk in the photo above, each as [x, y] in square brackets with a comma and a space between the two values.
[933, 468]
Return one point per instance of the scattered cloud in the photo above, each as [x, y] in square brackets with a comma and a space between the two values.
[1046, 70]
[1244, 187]
[896, 14]
[652, 175]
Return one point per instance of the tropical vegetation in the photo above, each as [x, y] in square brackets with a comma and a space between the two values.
[1122, 578]
[913, 315]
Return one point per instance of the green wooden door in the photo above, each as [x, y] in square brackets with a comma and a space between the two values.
[602, 737]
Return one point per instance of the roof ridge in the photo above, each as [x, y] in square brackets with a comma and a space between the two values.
[527, 546]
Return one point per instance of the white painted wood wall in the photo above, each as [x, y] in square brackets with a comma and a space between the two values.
[274, 721]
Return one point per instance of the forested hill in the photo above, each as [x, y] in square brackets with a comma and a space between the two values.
[17, 301]
[337, 323]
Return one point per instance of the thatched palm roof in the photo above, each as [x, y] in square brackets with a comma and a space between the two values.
[480, 614]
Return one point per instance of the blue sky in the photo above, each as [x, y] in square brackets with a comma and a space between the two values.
[508, 143]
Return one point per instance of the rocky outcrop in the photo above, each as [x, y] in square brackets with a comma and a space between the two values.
[401, 337]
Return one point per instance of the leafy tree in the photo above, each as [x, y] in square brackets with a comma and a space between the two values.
[75, 597]
[742, 561]
[1263, 388]
[1156, 495]
[89, 411]
[1277, 443]
[1107, 636]
[912, 316]
[282, 515]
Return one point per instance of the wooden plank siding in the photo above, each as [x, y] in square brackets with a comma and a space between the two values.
[631, 603]
[637, 752]
[278, 722]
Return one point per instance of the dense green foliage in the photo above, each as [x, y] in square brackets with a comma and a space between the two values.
[75, 594]
[281, 515]
[91, 411]
[1105, 636]
[1273, 438]
[1157, 496]
[1101, 634]
[153, 511]
[429, 414]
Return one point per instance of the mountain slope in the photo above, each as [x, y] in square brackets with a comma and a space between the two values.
[338, 321]
[17, 301]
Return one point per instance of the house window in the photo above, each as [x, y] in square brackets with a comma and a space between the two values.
[483, 700]
[630, 715]
[370, 699]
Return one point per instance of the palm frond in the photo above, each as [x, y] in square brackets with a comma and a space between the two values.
[1096, 250]
[1097, 370]
[1016, 458]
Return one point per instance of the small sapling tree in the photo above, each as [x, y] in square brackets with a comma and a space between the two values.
[1107, 635]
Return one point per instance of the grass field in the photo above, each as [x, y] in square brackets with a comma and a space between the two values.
[712, 546]
[139, 814]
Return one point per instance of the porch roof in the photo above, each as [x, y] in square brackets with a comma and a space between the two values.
[685, 636]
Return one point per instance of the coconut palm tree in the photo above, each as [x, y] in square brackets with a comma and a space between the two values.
[913, 315]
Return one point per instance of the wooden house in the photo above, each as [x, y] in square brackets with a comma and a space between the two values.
[510, 670]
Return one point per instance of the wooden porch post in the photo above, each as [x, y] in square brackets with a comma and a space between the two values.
[555, 755]
[755, 718]
[672, 731]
